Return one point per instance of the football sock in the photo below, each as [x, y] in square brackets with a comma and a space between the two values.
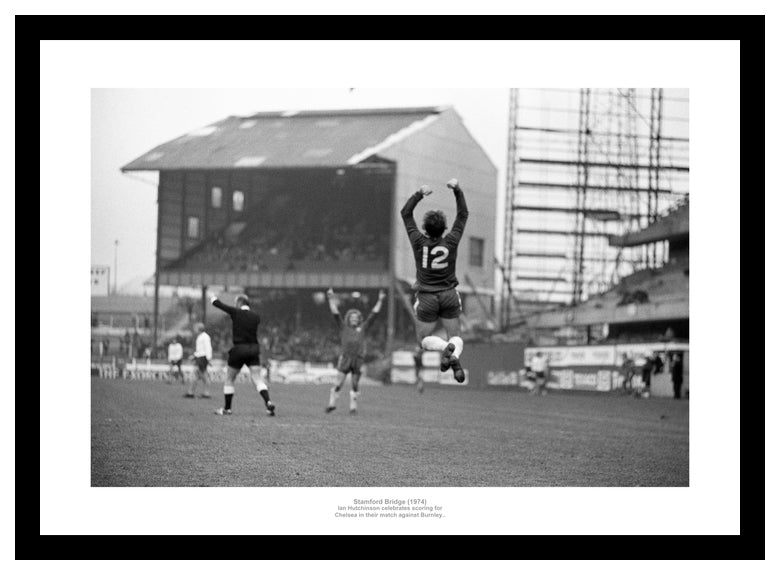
[334, 395]
[353, 399]
[264, 395]
[229, 391]
[433, 343]
[458, 343]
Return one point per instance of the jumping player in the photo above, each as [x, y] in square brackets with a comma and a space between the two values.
[436, 297]
[245, 351]
[353, 348]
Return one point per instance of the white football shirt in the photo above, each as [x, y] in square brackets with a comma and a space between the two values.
[175, 352]
[538, 364]
[203, 346]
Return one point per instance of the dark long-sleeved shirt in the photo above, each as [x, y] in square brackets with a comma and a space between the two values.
[353, 339]
[435, 258]
[677, 371]
[245, 322]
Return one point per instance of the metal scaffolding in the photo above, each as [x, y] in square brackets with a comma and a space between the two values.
[583, 165]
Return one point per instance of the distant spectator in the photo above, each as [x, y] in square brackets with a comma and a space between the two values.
[647, 371]
[121, 367]
[627, 368]
[539, 367]
[637, 296]
[658, 363]
[137, 344]
[175, 357]
[677, 375]
[106, 345]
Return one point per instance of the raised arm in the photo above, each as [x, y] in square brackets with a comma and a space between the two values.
[462, 211]
[228, 309]
[375, 311]
[334, 307]
[407, 213]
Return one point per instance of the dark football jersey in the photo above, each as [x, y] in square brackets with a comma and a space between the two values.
[245, 323]
[435, 258]
[353, 339]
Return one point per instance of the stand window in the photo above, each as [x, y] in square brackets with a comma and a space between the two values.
[476, 249]
[193, 228]
[238, 201]
[216, 197]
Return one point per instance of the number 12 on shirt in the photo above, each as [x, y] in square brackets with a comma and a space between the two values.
[438, 262]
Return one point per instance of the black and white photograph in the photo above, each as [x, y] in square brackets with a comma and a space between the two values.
[365, 288]
[425, 287]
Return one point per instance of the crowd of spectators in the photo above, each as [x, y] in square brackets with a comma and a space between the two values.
[334, 236]
[129, 345]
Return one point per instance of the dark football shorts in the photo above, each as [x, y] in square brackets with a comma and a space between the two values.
[176, 362]
[349, 363]
[430, 306]
[202, 363]
[244, 354]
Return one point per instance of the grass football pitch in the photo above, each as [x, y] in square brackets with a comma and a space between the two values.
[144, 433]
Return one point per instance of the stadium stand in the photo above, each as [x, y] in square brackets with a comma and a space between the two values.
[307, 200]
[315, 241]
[642, 306]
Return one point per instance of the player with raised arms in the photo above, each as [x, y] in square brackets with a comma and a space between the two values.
[245, 351]
[436, 298]
[352, 329]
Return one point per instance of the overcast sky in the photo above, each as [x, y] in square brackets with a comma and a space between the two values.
[127, 123]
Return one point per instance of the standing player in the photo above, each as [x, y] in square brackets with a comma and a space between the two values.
[202, 358]
[245, 351]
[436, 297]
[175, 357]
[539, 367]
[677, 375]
[353, 348]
